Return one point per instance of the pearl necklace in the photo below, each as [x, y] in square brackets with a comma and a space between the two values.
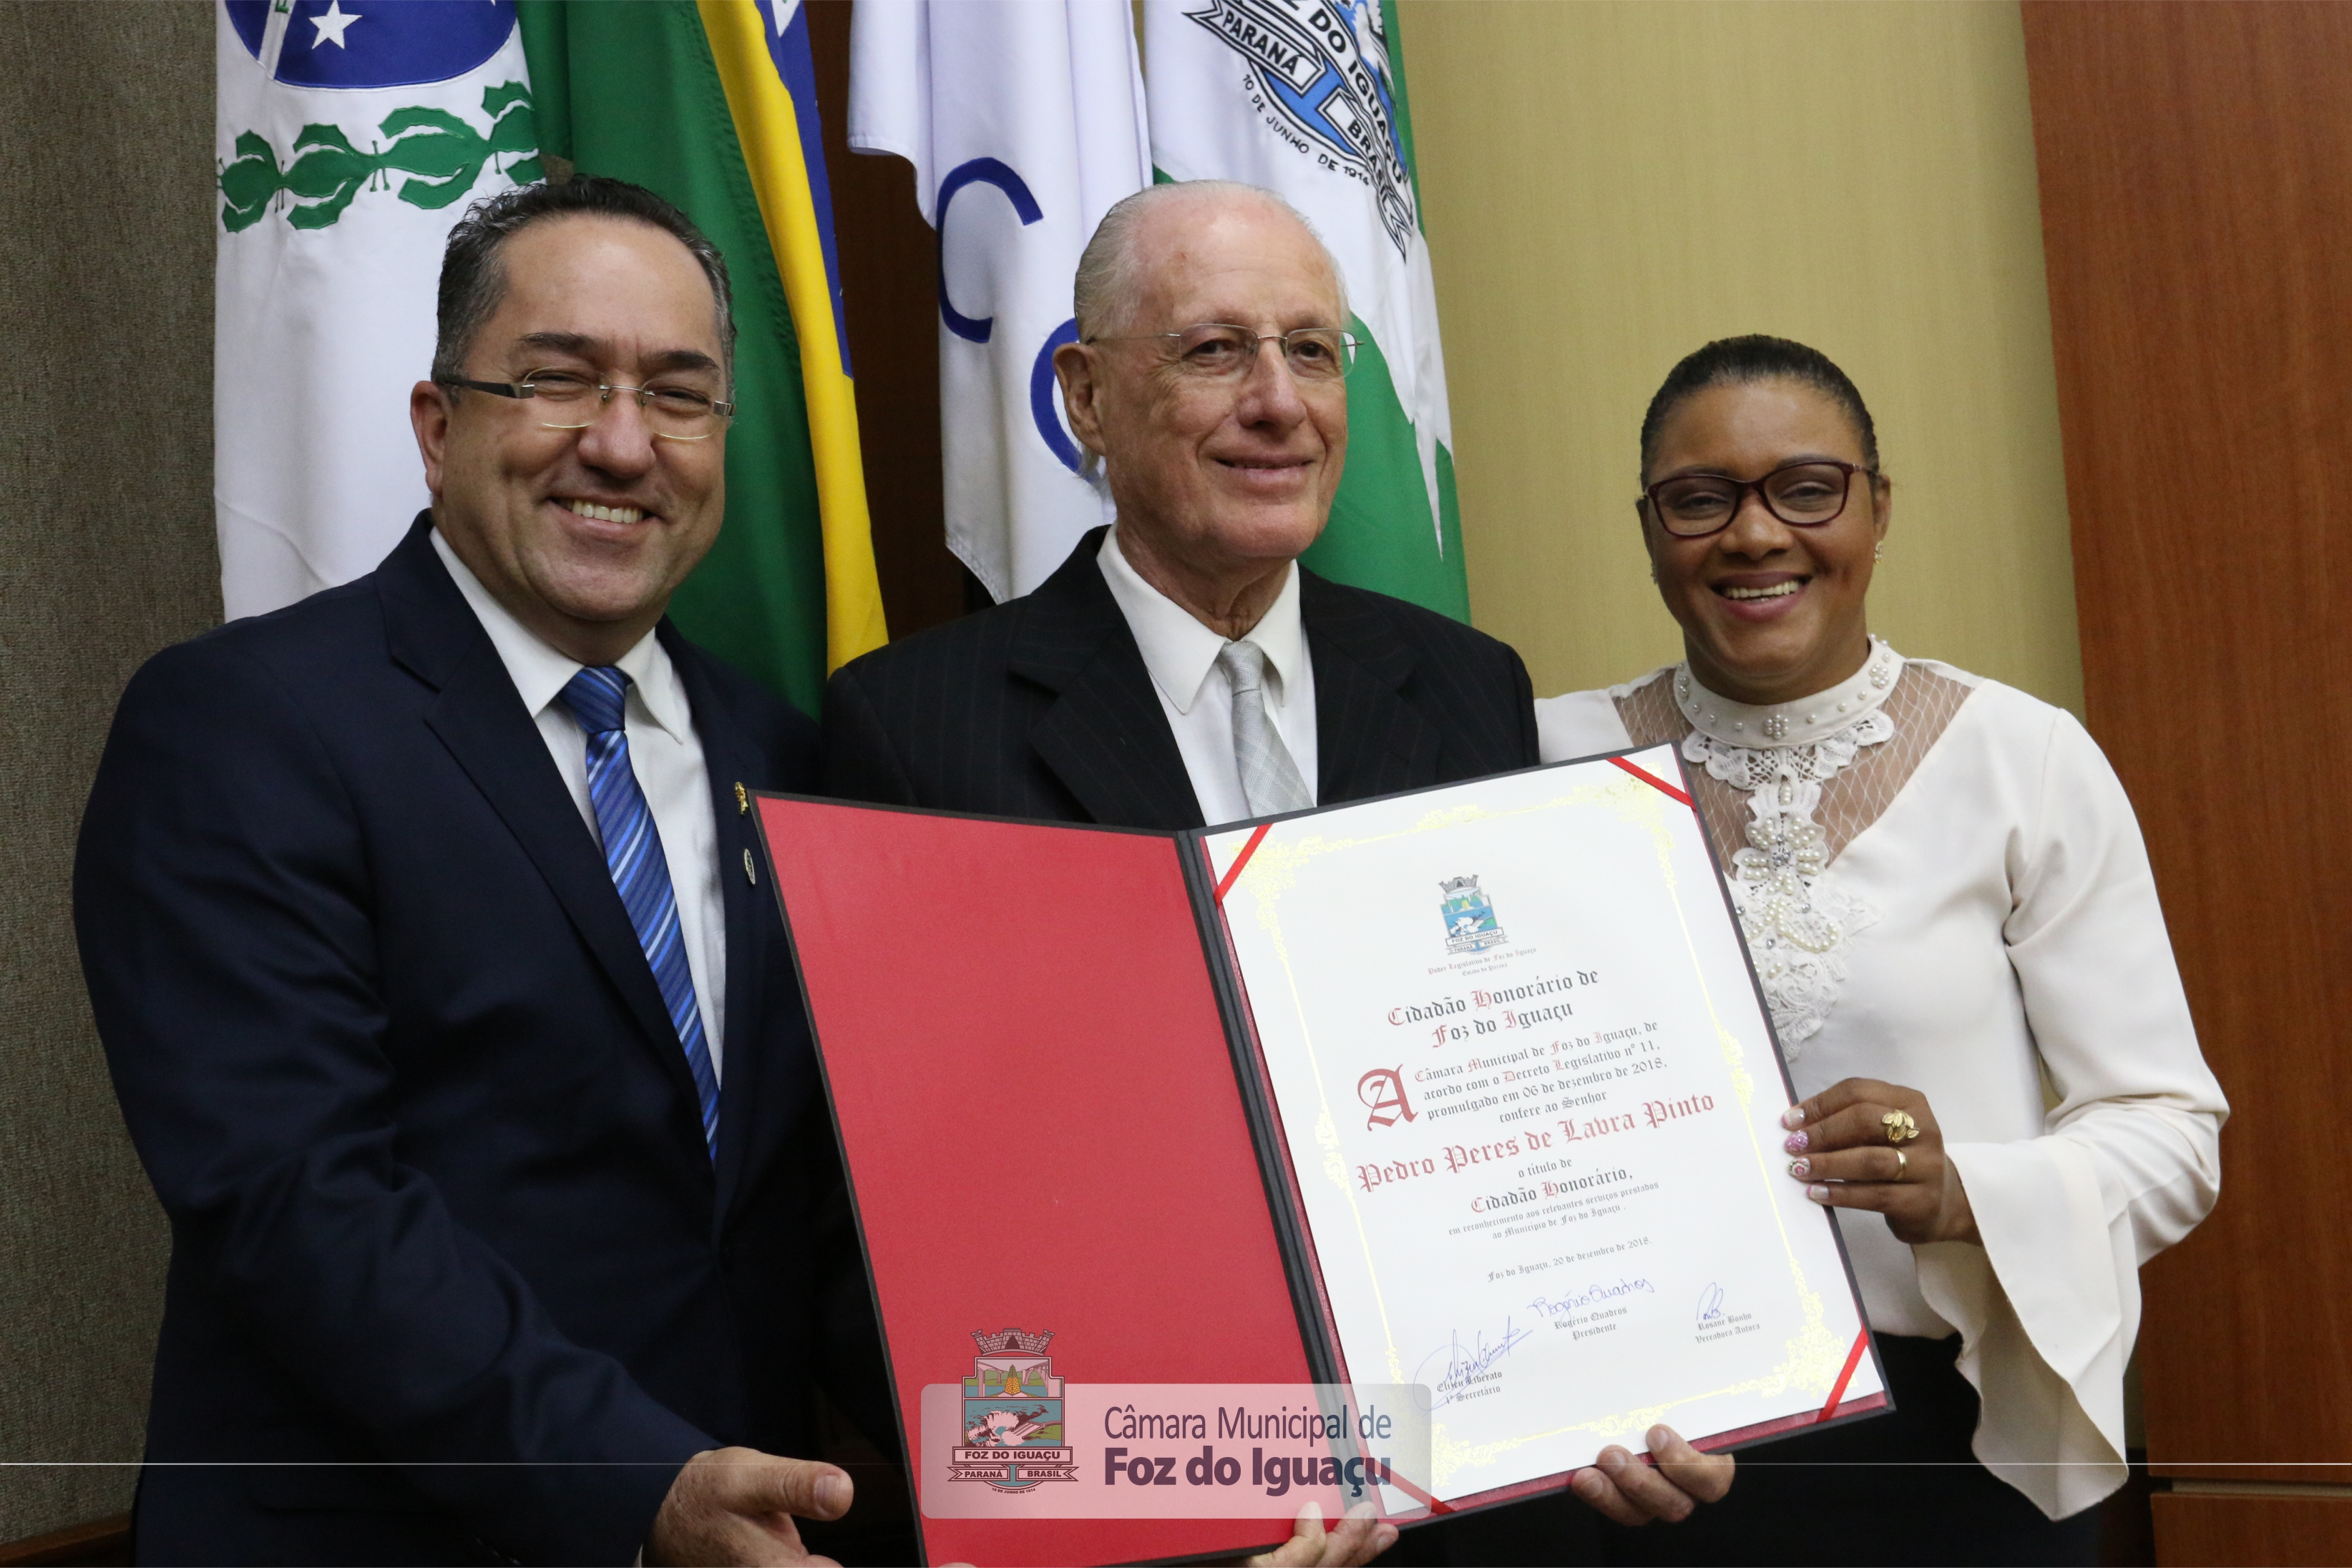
[1800, 723]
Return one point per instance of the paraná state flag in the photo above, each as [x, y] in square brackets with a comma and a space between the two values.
[714, 106]
[1023, 120]
[350, 137]
[1306, 97]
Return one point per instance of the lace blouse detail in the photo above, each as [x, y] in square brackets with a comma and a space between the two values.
[1781, 805]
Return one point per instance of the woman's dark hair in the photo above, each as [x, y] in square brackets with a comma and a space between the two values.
[1731, 362]
[473, 281]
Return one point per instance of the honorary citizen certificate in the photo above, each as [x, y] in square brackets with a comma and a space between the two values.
[1464, 1096]
[1531, 1101]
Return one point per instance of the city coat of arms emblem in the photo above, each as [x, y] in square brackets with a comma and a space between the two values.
[1324, 66]
[1013, 1416]
[1470, 923]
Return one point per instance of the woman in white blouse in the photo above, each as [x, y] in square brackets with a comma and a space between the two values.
[1950, 909]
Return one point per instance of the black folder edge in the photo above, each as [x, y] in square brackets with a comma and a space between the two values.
[1317, 1333]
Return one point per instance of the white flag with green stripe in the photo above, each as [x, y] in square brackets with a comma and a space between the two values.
[350, 138]
[1307, 97]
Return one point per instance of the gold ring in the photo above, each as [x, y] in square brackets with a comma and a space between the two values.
[1901, 1165]
[1899, 1126]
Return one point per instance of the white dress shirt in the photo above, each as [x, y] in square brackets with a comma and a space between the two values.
[1181, 654]
[665, 753]
[2015, 940]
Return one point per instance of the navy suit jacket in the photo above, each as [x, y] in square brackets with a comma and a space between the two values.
[1042, 707]
[453, 1276]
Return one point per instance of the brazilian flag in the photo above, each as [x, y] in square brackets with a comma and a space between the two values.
[714, 106]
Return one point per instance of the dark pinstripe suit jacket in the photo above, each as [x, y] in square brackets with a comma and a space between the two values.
[1042, 707]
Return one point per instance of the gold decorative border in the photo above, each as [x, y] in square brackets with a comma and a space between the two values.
[1813, 1357]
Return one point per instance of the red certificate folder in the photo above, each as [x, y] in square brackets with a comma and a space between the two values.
[1031, 1070]
[1054, 1118]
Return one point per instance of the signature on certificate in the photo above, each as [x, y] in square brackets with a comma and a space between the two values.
[1597, 1293]
[1710, 1305]
[1466, 1367]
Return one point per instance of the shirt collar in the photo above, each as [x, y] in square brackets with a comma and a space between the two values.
[1180, 652]
[540, 672]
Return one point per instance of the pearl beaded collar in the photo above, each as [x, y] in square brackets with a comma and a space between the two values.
[1799, 723]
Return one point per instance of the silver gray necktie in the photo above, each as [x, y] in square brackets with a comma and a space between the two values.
[1270, 779]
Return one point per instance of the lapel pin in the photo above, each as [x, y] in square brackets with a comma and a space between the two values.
[749, 875]
[742, 799]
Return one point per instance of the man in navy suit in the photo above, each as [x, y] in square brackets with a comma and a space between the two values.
[443, 997]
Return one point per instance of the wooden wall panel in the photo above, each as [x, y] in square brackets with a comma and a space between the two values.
[2242, 1530]
[2196, 169]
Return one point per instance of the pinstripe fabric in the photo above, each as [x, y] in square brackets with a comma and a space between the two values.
[1042, 708]
[598, 697]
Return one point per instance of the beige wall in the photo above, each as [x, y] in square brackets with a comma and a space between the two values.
[1609, 184]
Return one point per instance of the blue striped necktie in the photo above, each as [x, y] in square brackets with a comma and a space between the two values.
[633, 850]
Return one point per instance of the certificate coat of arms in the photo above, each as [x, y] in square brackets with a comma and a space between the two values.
[1470, 923]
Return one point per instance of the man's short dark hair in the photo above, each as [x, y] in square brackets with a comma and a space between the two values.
[1756, 358]
[473, 280]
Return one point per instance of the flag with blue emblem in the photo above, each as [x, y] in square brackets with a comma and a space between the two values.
[714, 105]
[1023, 120]
[350, 134]
[1307, 97]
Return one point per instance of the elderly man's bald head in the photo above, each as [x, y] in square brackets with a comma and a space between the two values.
[1114, 270]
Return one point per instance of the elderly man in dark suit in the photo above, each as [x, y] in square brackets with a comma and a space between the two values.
[1180, 669]
[425, 938]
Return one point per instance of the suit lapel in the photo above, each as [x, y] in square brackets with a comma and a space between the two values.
[431, 632]
[1104, 738]
[744, 1063]
[1369, 740]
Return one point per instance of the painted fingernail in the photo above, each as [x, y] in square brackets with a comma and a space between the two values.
[1797, 1143]
[1818, 1192]
[1800, 1169]
[1794, 1116]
